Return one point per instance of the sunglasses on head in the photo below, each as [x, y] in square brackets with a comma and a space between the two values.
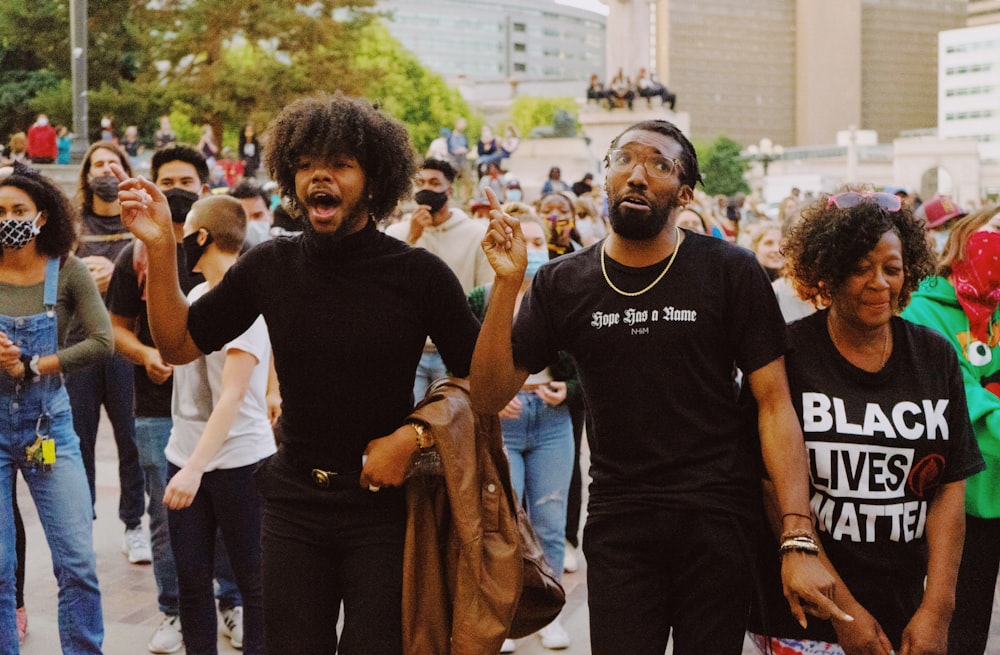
[887, 201]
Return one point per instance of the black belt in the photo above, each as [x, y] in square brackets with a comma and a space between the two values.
[321, 476]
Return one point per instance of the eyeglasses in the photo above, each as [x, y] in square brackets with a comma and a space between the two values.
[887, 201]
[622, 161]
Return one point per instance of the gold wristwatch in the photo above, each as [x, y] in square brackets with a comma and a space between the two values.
[425, 439]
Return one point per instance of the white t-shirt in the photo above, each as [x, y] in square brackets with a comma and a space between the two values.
[197, 389]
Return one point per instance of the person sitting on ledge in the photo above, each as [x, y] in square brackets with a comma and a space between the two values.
[650, 87]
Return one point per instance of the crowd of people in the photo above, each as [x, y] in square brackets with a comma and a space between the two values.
[270, 388]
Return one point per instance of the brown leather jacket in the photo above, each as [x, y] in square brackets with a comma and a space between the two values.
[462, 564]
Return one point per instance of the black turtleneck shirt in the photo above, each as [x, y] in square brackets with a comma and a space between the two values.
[348, 324]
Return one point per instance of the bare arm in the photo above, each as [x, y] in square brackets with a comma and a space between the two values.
[146, 214]
[808, 586]
[273, 393]
[863, 635]
[236, 373]
[128, 346]
[494, 377]
[927, 631]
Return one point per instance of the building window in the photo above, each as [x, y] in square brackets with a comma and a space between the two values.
[519, 67]
[519, 47]
[520, 27]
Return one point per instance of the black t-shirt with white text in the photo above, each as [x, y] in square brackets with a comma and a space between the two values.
[657, 369]
[880, 445]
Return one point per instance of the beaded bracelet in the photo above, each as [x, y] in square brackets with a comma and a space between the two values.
[802, 532]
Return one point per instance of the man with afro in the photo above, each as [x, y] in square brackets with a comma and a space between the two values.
[348, 310]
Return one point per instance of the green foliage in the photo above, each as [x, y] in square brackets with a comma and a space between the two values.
[223, 62]
[528, 112]
[722, 168]
[402, 86]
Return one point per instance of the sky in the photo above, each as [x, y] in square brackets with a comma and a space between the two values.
[592, 5]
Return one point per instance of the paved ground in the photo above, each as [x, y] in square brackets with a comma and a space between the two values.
[129, 591]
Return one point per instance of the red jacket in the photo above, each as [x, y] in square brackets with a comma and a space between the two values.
[42, 142]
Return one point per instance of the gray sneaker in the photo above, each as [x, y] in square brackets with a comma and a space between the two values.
[136, 546]
[167, 638]
[232, 622]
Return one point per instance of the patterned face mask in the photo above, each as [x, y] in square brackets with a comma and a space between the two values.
[16, 234]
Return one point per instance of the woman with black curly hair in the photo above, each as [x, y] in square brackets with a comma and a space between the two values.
[348, 310]
[882, 406]
[43, 288]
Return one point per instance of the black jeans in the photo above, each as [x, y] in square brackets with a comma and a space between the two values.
[651, 570]
[324, 546]
[977, 579]
[228, 504]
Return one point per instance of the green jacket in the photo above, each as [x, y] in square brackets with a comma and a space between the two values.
[935, 305]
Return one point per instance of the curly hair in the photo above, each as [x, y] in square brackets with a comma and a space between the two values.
[84, 194]
[59, 232]
[690, 175]
[328, 126]
[826, 244]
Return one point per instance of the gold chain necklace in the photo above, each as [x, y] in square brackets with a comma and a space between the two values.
[632, 294]
[885, 344]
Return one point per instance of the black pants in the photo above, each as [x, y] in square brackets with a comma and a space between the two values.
[324, 546]
[977, 579]
[651, 570]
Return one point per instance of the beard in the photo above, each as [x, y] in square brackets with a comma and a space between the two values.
[639, 225]
[328, 242]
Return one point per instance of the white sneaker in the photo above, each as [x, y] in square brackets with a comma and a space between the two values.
[509, 646]
[232, 626]
[554, 637]
[570, 563]
[136, 546]
[167, 638]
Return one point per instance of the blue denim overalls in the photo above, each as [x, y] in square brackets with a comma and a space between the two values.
[61, 494]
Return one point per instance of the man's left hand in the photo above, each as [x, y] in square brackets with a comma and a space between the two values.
[808, 587]
[387, 458]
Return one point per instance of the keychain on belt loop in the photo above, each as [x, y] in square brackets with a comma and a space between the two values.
[42, 453]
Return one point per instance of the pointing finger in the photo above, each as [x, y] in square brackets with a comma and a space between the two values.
[118, 171]
[492, 197]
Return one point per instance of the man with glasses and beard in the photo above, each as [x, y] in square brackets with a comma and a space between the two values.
[658, 320]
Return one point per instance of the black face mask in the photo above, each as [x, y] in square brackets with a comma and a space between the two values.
[435, 200]
[180, 202]
[193, 251]
[105, 187]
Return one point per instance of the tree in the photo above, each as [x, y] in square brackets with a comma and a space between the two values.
[418, 97]
[529, 112]
[722, 168]
[222, 62]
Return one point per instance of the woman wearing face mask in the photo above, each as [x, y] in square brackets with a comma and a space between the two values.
[556, 209]
[589, 224]
[537, 430]
[961, 302]
[43, 287]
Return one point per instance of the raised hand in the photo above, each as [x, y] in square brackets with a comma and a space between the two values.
[145, 211]
[504, 243]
